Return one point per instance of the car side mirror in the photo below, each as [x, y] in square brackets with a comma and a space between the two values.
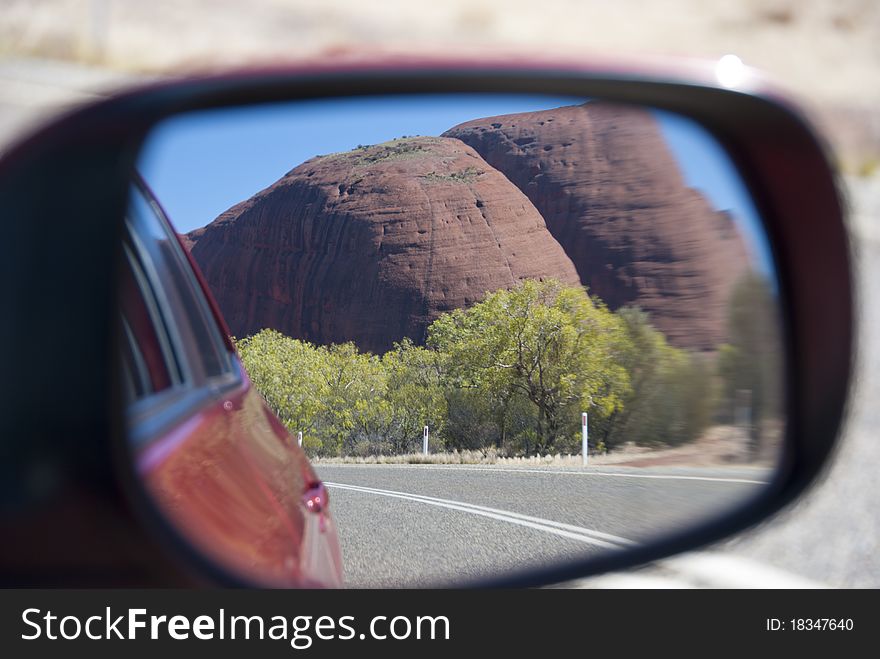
[550, 320]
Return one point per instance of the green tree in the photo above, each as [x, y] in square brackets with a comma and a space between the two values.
[550, 343]
[333, 394]
[355, 407]
[415, 396]
[290, 374]
[750, 364]
[470, 421]
[671, 395]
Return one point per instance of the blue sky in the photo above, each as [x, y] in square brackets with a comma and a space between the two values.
[200, 164]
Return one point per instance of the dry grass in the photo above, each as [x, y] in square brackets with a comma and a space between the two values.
[720, 445]
[489, 457]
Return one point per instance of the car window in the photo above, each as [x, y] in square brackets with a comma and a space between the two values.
[149, 364]
[174, 355]
[179, 292]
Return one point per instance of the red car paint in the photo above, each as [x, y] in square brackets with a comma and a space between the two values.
[230, 478]
[234, 483]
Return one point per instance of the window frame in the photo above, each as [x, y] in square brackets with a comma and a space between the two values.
[192, 386]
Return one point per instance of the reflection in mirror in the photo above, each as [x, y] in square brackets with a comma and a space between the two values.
[446, 299]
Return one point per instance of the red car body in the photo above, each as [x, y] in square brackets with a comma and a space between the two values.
[213, 458]
[231, 480]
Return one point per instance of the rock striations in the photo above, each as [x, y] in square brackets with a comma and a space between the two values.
[612, 194]
[373, 244]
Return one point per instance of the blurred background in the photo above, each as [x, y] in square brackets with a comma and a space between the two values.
[58, 53]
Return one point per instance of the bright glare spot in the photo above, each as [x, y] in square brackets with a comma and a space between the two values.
[730, 71]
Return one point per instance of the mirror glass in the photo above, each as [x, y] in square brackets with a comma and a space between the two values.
[500, 332]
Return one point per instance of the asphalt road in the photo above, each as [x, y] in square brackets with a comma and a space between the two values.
[419, 525]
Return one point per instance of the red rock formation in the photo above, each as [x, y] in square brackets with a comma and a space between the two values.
[373, 244]
[188, 240]
[612, 194]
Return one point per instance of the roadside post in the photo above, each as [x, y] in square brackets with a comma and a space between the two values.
[299, 438]
[425, 441]
[586, 437]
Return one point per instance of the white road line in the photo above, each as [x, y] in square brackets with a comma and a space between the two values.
[701, 569]
[712, 569]
[568, 531]
[538, 520]
[572, 472]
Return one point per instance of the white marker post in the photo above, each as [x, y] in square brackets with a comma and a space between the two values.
[299, 438]
[586, 437]
[425, 441]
